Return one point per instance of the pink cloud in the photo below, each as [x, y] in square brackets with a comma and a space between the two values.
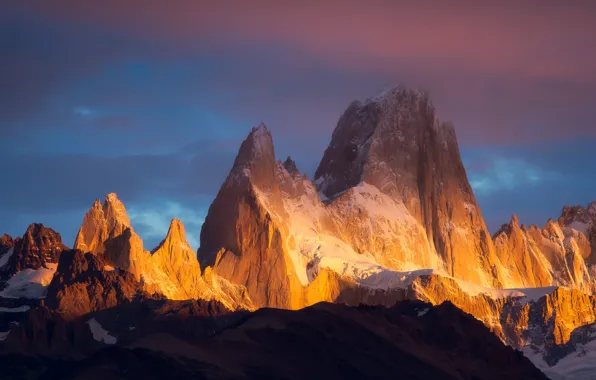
[532, 38]
[503, 72]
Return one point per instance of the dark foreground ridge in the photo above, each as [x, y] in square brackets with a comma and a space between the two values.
[165, 339]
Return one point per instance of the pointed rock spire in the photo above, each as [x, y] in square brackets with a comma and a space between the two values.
[291, 167]
[174, 262]
[100, 223]
[257, 146]
[6, 242]
[176, 236]
[114, 210]
[176, 230]
[255, 161]
[106, 230]
[514, 221]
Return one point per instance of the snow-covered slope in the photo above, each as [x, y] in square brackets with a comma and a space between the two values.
[29, 283]
[99, 333]
[576, 362]
[28, 266]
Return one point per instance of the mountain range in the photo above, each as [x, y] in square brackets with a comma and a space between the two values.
[379, 264]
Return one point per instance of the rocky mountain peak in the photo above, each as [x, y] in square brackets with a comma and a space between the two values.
[255, 162]
[176, 230]
[6, 242]
[114, 210]
[97, 205]
[400, 96]
[396, 143]
[176, 235]
[38, 247]
[514, 221]
[384, 141]
[100, 223]
[258, 144]
[508, 228]
[291, 167]
[580, 218]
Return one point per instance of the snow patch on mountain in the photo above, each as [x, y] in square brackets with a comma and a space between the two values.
[579, 365]
[99, 334]
[6, 256]
[312, 246]
[29, 283]
[20, 309]
[527, 294]
[580, 226]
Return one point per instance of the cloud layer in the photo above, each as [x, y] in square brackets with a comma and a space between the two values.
[151, 100]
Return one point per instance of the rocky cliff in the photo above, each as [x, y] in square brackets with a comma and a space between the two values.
[170, 270]
[391, 216]
[396, 143]
[28, 263]
[106, 230]
[6, 243]
[244, 237]
[390, 196]
[553, 255]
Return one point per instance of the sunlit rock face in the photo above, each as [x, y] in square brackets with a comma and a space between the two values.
[106, 230]
[527, 266]
[171, 269]
[391, 196]
[396, 143]
[553, 255]
[582, 220]
[244, 237]
[391, 216]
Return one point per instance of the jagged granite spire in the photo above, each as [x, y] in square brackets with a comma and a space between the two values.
[241, 238]
[291, 167]
[101, 223]
[106, 230]
[396, 143]
[255, 159]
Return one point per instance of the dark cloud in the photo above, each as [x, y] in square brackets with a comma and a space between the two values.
[533, 181]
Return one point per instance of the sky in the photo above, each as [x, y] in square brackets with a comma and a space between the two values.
[151, 99]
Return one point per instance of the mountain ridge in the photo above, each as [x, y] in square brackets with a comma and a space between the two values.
[389, 217]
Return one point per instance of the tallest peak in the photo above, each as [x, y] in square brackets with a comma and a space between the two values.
[399, 92]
